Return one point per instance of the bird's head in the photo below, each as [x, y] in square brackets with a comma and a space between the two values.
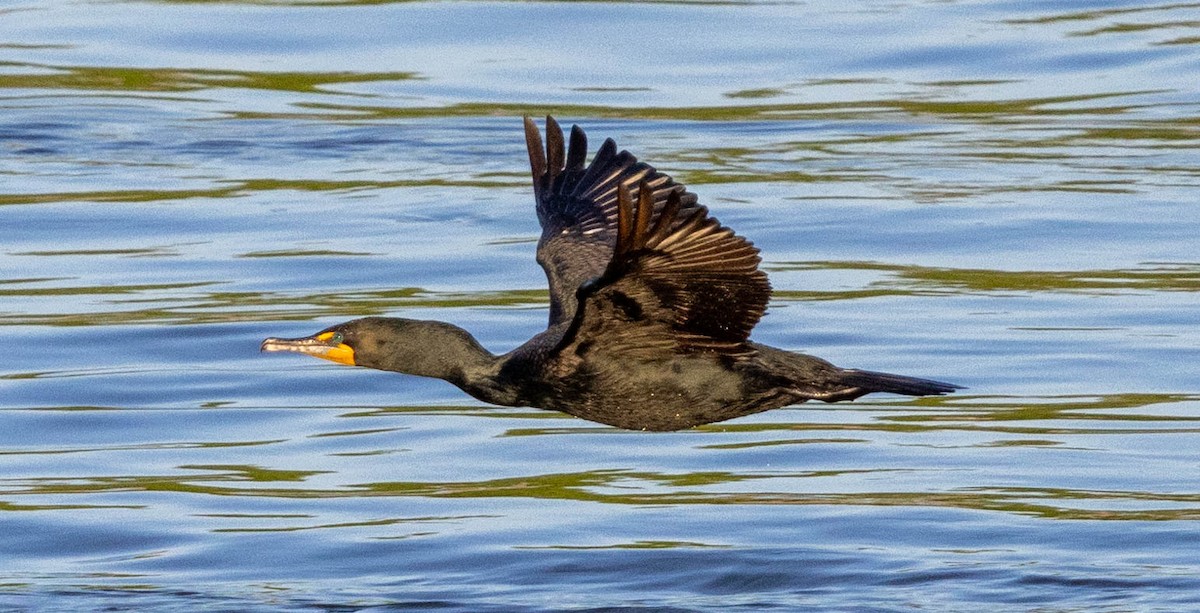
[416, 347]
[335, 343]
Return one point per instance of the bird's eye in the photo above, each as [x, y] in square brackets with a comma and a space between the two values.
[336, 339]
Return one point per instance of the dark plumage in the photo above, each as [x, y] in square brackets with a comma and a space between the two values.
[651, 306]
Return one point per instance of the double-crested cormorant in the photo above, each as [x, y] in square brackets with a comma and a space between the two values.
[651, 306]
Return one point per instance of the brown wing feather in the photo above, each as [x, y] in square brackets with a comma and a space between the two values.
[688, 283]
[577, 207]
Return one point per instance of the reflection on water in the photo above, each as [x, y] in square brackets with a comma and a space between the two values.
[1012, 208]
[182, 303]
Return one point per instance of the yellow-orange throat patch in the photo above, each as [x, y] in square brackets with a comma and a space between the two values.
[340, 353]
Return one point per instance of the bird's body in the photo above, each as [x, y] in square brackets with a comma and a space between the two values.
[651, 306]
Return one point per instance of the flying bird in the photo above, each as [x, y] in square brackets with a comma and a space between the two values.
[652, 302]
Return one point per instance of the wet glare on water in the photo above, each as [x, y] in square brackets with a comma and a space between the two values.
[1002, 195]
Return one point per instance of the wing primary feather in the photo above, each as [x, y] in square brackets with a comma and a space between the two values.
[554, 149]
[624, 221]
[641, 221]
[600, 165]
[697, 217]
[577, 150]
[663, 226]
[537, 159]
[618, 167]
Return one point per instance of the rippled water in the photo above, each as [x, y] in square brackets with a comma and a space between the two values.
[1003, 195]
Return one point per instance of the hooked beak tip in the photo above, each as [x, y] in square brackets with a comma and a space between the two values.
[273, 344]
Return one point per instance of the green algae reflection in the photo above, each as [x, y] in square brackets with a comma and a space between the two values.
[1016, 421]
[625, 487]
[186, 303]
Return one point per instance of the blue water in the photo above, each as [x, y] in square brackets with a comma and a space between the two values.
[1002, 195]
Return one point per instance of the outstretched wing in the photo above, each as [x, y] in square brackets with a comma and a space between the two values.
[680, 283]
[577, 207]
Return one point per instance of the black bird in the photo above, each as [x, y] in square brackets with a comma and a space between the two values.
[651, 306]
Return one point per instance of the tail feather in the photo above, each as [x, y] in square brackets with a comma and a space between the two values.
[815, 379]
[870, 381]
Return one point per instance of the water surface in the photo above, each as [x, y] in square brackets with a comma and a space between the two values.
[1002, 195]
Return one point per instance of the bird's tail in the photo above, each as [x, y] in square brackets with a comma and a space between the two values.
[870, 381]
[816, 379]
